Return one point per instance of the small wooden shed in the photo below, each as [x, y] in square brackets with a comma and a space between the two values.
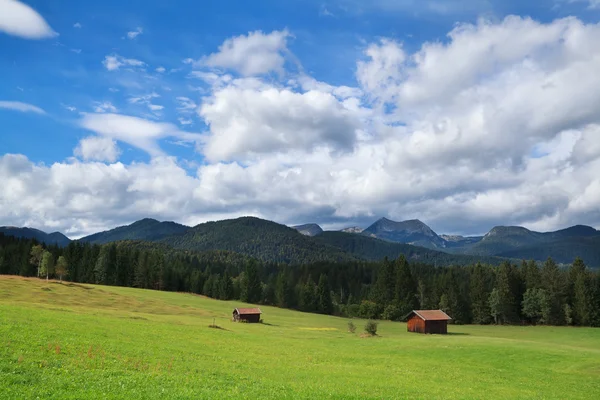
[428, 321]
[247, 314]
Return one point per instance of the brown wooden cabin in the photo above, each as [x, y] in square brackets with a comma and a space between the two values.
[247, 314]
[428, 321]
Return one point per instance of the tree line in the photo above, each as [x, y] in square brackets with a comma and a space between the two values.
[525, 293]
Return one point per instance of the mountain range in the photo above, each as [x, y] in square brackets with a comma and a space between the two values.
[273, 242]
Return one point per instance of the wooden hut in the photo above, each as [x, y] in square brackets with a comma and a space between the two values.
[247, 314]
[428, 321]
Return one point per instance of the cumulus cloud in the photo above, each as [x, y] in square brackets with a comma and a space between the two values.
[77, 25]
[97, 149]
[19, 19]
[138, 132]
[133, 34]
[160, 70]
[253, 54]
[254, 121]
[115, 61]
[19, 106]
[498, 124]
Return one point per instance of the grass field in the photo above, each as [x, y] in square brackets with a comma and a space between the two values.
[72, 341]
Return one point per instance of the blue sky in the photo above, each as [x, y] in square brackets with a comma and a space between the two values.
[137, 84]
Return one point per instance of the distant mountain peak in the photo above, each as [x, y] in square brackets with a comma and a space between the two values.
[353, 229]
[309, 229]
[412, 231]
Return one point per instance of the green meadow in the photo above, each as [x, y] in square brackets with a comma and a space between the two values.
[71, 341]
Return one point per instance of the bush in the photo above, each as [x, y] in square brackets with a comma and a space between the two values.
[369, 309]
[371, 328]
[391, 313]
[351, 327]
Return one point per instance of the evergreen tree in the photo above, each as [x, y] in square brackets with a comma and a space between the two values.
[535, 305]
[324, 304]
[531, 274]
[283, 291]
[251, 286]
[405, 291]
[384, 290]
[480, 308]
[226, 287]
[505, 302]
[553, 283]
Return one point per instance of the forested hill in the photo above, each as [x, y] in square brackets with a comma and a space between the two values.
[145, 229]
[368, 248]
[258, 238]
[56, 238]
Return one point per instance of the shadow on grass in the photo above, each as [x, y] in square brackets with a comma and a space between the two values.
[268, 324]
[458, 334]
[218, 327]
[71, 284]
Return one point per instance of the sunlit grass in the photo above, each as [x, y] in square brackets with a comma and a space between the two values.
[86, 341]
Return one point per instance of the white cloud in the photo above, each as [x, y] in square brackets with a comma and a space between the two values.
[19, 106]
[76, 51]
[498, 124]
[105, 106]
[155, 107]
[95, 148]
[253, 54]
[245, 122]
[133, 34]
[160, 70]
[115, 61]
[77, 25]
[19, 19]
[137, 132]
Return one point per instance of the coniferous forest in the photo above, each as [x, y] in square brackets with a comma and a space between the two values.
[510, 293]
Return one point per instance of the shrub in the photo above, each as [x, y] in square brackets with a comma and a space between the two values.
[369, 309]
[371, 328]
[392, 313]
[351, 327]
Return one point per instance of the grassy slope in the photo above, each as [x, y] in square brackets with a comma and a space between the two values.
[130, 343]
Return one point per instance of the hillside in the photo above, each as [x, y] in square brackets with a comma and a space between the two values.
[115, 342]
[145, 229]
[521, 243]
[254, 237]
[56, 238]
[374, 249]
[412, 232]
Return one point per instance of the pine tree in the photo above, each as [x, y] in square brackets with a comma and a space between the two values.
[226, 287]
[251, 286]
[324, 304]
[283, 291]
[553, 283]
[480, 308]
[531, 274]
[405, 290]
[384, 290]
[506, 310]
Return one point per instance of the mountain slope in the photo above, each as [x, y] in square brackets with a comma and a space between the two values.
[412, 232]
[264, 240]
[373, 249]
[30, 233]
[145, 229]
[309, 229]
[521, 243]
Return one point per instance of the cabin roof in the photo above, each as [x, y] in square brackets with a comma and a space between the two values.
[248, 310]
[430, 315]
